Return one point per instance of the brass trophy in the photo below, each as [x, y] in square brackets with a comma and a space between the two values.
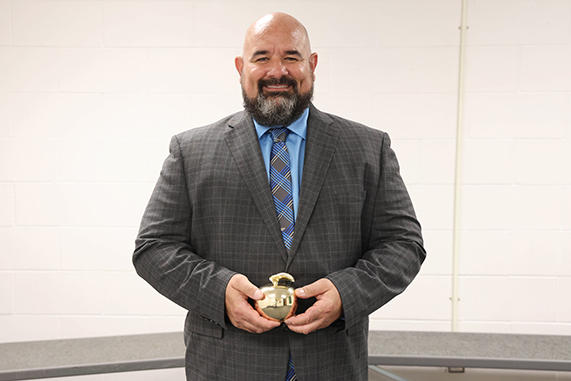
[279, 301]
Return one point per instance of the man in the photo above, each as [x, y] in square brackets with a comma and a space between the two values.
[214, 232]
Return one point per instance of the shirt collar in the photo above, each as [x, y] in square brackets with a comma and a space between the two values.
[299, 127]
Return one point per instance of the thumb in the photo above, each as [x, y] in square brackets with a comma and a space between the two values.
[242, 284]
[312, 289]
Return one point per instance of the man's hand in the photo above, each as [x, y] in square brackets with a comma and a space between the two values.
[325, 311]
[241, 313]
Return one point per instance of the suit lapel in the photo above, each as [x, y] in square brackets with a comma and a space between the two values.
[245, 149]
[321, 141]
[244, 146]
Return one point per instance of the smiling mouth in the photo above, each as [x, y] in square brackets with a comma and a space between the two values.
[277, 87]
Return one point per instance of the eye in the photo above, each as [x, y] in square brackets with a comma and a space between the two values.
[291, 59]
[262, 59]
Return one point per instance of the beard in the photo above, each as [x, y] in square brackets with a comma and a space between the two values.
[278, 109]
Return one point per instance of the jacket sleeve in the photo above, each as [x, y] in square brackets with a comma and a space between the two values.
[394, 247]
[163, 254]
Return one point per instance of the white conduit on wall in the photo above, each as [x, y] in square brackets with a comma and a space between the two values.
[458, 173]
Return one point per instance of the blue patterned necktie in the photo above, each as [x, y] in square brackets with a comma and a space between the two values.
[290, 376]
[280, 183]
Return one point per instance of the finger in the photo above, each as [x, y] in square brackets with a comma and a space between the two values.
[314, 289]
[308, 317]
[261, 324]
[254, 323]
[241, 283]
[305, 329]
[313, 314]
[307, 322]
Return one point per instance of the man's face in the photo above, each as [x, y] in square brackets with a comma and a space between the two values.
[276, 72]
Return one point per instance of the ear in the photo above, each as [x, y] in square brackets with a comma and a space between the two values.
[239, 63]
[313, 58]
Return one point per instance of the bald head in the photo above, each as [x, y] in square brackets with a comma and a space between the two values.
[277, 24]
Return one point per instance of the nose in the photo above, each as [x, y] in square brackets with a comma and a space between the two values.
[277, 69]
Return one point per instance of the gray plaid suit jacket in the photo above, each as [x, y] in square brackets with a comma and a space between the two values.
[211, 216]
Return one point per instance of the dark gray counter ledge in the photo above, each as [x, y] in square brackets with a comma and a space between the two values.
[75, 357]
[470, 350]
[59, 358]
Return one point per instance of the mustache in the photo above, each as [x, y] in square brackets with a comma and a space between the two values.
[275, 81]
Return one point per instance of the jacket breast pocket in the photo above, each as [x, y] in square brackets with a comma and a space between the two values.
[340, 208]
[334, 230]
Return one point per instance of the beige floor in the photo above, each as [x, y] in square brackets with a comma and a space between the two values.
[441, 374]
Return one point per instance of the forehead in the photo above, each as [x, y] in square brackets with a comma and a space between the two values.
[276, 37]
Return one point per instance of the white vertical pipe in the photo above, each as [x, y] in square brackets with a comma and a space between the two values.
[458, 173]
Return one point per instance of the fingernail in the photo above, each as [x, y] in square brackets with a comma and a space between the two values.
[300, 292]
[258, 295]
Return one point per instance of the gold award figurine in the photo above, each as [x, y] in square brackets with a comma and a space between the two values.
[279, 301]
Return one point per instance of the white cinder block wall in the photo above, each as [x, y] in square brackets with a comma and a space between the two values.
[92, 90]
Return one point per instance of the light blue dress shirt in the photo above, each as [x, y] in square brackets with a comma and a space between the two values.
[295, 143]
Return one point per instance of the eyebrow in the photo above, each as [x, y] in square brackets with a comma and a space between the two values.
[288, 53]
[293, 53]
[260, 53]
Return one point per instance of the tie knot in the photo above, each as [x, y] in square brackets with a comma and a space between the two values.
[279, 134]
